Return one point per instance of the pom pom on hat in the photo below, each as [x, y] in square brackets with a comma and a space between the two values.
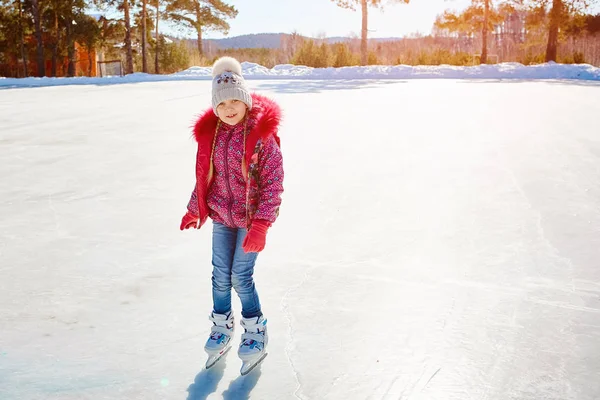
[226, 64]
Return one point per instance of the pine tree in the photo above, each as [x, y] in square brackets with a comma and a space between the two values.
[322, 56]
[364, 6]
[560, 12]
[57, 24]
[484, 31]
[480, 16]
[306, 55]
[201, 16]
[36, 12]
[87, 33]
[156, 39]
[22, 39]
[144, 32]
[13, 24]
[343, 56]
[123, 5]
[555, 18]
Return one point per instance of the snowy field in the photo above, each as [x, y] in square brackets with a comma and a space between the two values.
[287, 71]
[438, 240]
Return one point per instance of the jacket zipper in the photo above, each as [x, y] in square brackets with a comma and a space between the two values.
[227, 178]
[248, 222]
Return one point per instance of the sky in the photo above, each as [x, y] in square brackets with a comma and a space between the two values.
[317, 17]
[323, 17]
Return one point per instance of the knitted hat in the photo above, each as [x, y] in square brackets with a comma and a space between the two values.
[228, 83]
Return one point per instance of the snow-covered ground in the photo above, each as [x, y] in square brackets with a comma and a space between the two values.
[287, 71]
[438, 239]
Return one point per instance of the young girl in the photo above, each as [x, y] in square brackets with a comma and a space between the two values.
[239, 182]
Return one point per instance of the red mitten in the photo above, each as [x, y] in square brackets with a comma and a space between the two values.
[254, 241]
[190, 220]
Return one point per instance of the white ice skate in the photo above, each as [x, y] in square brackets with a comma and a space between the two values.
[219, 341]
[253, 347]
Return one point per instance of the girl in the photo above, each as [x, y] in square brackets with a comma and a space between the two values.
[239, 182]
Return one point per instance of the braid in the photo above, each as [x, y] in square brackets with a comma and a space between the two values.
[212, 153]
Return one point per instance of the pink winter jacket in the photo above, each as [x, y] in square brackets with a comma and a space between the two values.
[234, 192]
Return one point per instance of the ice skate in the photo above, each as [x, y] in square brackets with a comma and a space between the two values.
[219, 341]
[252, 350]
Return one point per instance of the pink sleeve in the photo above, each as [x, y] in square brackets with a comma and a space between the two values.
[270, 184]
[193, 203]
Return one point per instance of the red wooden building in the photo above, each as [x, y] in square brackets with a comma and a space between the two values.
[85, 63]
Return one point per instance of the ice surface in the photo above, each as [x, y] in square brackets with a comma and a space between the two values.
[438, 239]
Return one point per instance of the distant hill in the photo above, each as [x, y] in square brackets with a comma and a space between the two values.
[343, 39]
[265, 40]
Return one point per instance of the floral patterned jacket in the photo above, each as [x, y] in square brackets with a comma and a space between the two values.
[239, 169]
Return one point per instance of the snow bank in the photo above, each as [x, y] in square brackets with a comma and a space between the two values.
[288, 71]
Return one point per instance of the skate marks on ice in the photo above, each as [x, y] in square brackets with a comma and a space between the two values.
[284, 306]
[417, 385]
[207, 381]
[306, 269]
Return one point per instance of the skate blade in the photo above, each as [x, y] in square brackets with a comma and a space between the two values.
[248, 366]
[212, 360]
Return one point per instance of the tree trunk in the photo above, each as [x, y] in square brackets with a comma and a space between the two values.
[128, 50]
[156, 69]
[90, 61]
[41, 67]
[484, 33]
[22, 40]
[555, 15]
[199, 28]
[56, 38]
[363, 34]
[200, 50]
[144, 61]
[70, 47]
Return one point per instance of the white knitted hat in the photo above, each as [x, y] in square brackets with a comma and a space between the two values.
[228, 82]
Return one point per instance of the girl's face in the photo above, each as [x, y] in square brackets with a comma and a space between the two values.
[231, 111]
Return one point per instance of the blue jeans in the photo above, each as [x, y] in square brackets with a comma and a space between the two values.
[233, 267]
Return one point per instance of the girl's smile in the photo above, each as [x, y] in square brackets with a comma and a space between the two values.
[231, 111]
